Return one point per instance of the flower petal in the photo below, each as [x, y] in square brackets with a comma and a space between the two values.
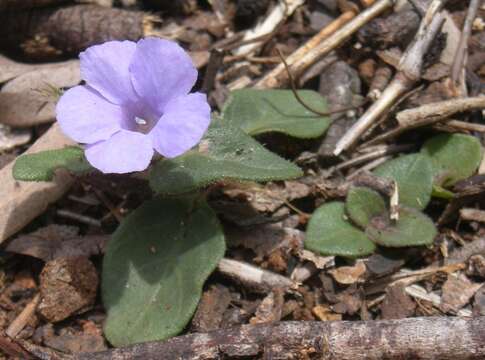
[86, 117]
[161, 70]
[105, 68]
[126, 151]
[183, 124]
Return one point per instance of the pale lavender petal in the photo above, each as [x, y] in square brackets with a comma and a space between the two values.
[105, 68]
[126, 151]
[86, 117]
[161, 70]
[183, 124]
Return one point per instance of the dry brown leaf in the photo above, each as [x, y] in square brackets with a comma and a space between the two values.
[349, 274]
[55, 241]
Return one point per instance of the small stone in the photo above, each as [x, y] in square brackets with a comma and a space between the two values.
[67, 286]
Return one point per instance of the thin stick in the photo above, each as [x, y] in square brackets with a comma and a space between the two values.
[459, 61]
[386, 150]
[23, 318]
[410, 68]
[427, 115]
[329, 38]
[253, 277]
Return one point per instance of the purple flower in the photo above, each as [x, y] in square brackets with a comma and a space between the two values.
[136, 99]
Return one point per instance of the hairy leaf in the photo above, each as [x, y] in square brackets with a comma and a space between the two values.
[412, 229]
[154, 269]
[42, 165]
[414, 177]
[225, 153]
[454, 157]
[330, 233]
[363, 204]
[259, 111]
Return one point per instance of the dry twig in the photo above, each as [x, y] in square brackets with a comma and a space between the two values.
[429, 338]
[410, 68]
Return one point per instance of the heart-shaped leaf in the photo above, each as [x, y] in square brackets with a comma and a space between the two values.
[412, 229]
[155, 266]
[414, 177]
[454, 157]
[260, 111]
[225, 153]
[330, 233]
[42, 165]
[363, 204]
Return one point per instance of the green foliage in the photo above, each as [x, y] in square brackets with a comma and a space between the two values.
[42, 165]
[454, 157]
[226, 153]
[412, 229]
[414, 177]
[155, 266]
[260, 111]
[363, 204]
[330, 233]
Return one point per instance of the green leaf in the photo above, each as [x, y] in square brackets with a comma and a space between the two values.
[154, 269]
[412, 229]
[227, 153]
[414, 177]
[363, 204]
[260, 111]
[454, 157]
[42, 165]
[330, 233]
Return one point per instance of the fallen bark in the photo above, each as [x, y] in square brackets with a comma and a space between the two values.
[415, 338]
[54, 32]
[23, 201]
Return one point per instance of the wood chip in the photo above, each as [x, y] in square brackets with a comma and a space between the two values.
[457, 292]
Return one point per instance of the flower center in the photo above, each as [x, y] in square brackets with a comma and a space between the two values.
[143, 124]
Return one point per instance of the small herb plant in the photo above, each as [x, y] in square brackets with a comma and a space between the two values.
[137, 103]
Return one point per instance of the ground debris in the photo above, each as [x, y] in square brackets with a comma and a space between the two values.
[457, 292]
[210, 312]
[397, 304]
[56, 241]
[68, 286]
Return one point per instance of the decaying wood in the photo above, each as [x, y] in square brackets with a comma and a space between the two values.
[309, 55]
[44, 33]
[444, 338]
[23, 201]
[410, 68]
